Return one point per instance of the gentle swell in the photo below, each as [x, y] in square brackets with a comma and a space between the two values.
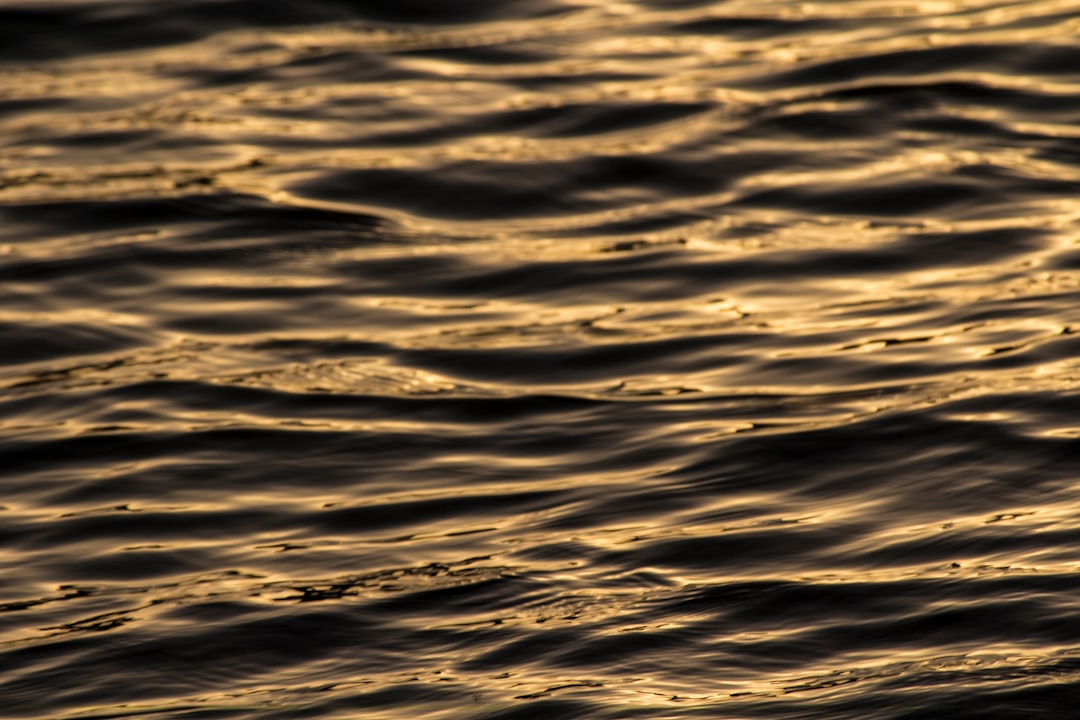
[533, 359]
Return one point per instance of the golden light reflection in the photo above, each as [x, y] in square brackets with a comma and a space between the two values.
[591, 356]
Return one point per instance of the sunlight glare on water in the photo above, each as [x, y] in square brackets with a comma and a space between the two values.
[539, 359]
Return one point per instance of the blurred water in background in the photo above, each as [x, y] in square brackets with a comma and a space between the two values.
[539, 359]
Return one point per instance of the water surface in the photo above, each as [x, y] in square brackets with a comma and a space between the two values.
[539, 359]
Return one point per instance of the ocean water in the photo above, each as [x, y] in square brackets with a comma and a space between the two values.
[506, 359]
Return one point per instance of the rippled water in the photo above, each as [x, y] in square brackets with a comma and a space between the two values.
[539, 359]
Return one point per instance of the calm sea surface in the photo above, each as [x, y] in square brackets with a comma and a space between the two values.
[507, 359]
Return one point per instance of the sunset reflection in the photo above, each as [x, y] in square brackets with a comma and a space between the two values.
[539, 358]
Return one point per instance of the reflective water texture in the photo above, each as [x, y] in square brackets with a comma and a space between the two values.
[539, 359]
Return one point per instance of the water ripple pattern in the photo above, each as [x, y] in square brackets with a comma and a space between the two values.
[506, 359]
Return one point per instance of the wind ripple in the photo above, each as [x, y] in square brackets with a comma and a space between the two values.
[539, 358]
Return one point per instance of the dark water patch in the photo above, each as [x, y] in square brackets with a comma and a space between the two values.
[471, 190]
[1050, 60]
[124, 524]
[130, 447]
[498, 55]
[940, 459]
[817, 125]
[389, 515]
[315, 63]
[565, 121]
[10, 109]
[469, 11]
[900, 199]
[126, 247]
[592, 120]
[962, 127]
[722, 551]
[560, 365]
[22, 343]
[756, 28]
[914, 96]
[985, 542]
[992, 58]
[909, 252]
[55, 30]
[239, 213]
